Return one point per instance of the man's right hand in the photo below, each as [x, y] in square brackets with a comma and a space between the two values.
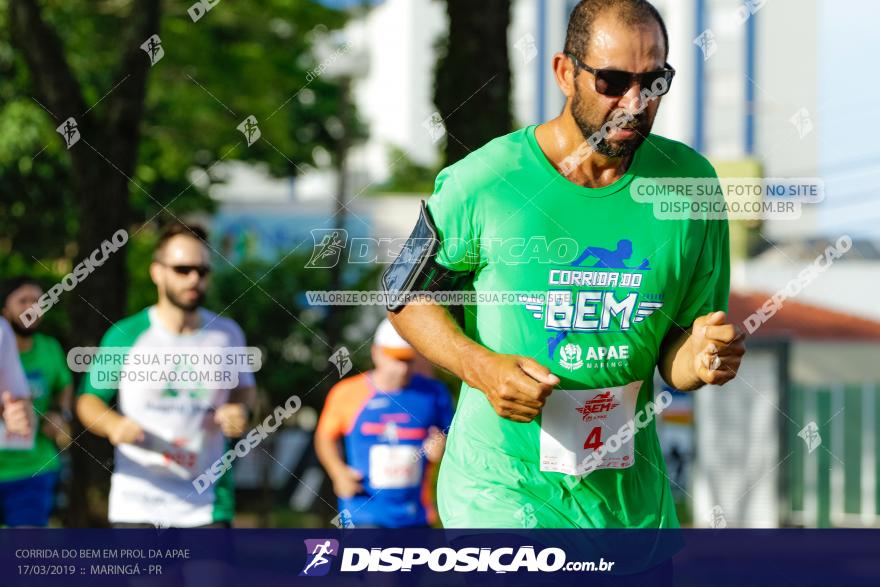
[17, 414]
[347, 482]
[125, 431]
[516, 386]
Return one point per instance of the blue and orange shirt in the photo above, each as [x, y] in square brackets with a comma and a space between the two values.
[383, 434]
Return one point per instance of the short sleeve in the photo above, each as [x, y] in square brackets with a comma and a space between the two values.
[245, 378]
[709, 288]
[332, 422]
[104, 369]
[452, 210]
[63, 377]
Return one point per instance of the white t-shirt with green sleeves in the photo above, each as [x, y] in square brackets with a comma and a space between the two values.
[153, 482]
[614, 279]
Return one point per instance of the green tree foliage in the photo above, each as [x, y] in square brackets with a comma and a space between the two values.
[407, 176]
[239, 59]
[291, 334]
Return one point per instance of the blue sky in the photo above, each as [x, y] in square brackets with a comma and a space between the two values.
[848, 119]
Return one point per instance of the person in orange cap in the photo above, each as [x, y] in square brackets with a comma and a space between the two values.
[391, 422]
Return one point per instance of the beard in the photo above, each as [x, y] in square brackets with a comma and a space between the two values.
[185, 305]
[611, 149]
[22, 330]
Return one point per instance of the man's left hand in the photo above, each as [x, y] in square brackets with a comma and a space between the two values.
[57, 429]
[232, 419]
[717, 348]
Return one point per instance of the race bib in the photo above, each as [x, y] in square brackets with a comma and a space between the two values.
[395, 466]
[179, 457]
[577, 424]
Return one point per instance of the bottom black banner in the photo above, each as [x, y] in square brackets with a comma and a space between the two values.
[214, 557]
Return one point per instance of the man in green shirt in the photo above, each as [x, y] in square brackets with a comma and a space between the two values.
[554, 426]
[29, 472]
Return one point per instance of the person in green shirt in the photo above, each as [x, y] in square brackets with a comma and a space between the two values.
[554, 426]
[29, 474]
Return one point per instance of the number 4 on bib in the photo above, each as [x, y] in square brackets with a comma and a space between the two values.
[594, 439]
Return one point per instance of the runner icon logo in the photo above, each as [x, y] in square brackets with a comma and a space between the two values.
[319, 554]
[329, 243]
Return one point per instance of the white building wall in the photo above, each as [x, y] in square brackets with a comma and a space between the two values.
[395, 95]
[847, 118]
[725, 81]
[675, 119]
[524, 53]
[787, 81]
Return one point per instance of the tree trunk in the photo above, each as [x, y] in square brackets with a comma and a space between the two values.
[103, 163]
[472, 86]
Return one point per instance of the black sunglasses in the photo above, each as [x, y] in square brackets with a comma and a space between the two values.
[202, 270]
[616, 83]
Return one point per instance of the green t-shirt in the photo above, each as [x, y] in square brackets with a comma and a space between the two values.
[46, 369]
[616, 279]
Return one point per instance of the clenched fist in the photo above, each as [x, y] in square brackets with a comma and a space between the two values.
[717, 348]
[232, 419]
[347, 482]
[125, 431]
[55, 428]
[516, 386]
[18, 415]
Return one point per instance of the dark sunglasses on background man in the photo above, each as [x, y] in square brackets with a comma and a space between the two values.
[616, 83]
[202, 270]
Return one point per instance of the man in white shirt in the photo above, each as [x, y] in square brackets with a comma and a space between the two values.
[174, 415]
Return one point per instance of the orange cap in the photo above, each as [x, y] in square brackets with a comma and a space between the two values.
[391, 343]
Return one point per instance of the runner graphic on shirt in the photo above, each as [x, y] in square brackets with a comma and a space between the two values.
[608, 259]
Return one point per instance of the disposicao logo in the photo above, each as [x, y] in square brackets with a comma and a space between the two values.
[320, 553]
